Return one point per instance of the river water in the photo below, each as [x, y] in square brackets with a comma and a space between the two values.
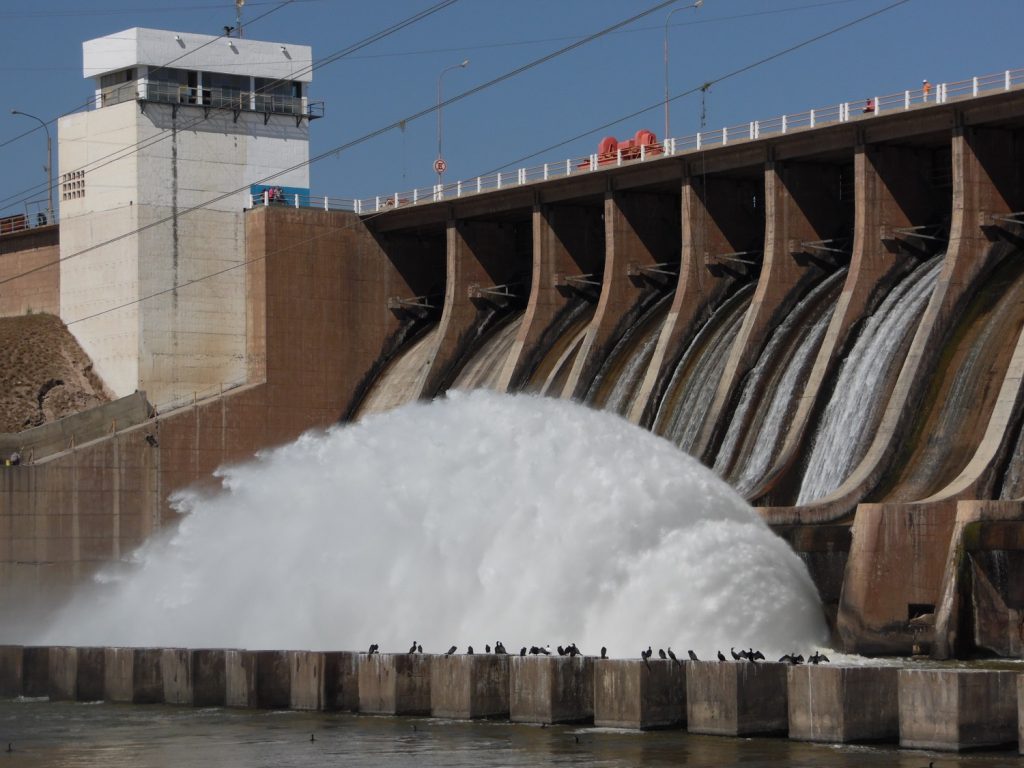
[59, 735]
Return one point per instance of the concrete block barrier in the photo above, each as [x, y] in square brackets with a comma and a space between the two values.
[551, 689]
[62, 680]
[394, 683]
[469, 687]
[843, 704]
[240, 679]
[736, 698]
[957, 709]
[631, 694]
[273, 680]
[341, 681]
[209, 677]
[306, 674]
[91, 674]
[133, 675]
[11, 657]
[35, 671]
[176, 672]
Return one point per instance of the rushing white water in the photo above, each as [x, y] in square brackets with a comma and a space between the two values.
[794, 360]
[476, 518]
[485, 367]
[856, 406]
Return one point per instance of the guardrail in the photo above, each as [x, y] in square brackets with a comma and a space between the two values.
[268, 198]
[34, 215]
[925, 96]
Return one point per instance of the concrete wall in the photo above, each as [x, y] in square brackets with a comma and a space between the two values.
[32, 258]
[133, 675]
[736, 698]
[836, 704]
[629, 693]
[468, 687]
[551, 689]
[395, 684]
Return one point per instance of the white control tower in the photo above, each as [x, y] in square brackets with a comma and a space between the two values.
[153, 183]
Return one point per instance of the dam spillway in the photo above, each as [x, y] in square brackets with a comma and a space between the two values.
[656, 289]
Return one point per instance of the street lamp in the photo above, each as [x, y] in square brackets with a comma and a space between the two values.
[696, 4]
[49, 163]
[439, 164]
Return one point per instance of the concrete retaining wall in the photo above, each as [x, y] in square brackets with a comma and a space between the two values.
[631, 694]
[551, 689]
[306, 672]
[133, 675]
[62, 684]
[732, 698]
[843, 704]
[240, 679]
[341, 681]
[468, 687]
[395, 684]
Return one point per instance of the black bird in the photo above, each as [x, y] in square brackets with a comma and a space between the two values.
[312, 737]
[487, 649]
[561, 651]
[755, 655]
[451, 650]
[573, 651]
[789, 659]
[499, 647]
[661, 653]
[228, 30]
[818, 658]
[534, 650]
[604, 652]
[151, 439]
[412, 648]
[692, 655]
[544, 650]
[735, 656]
[373, 649]
[522, 651]
[469, 650]
[646, 654]
[671, 655]
[419, 649]
[721, 656]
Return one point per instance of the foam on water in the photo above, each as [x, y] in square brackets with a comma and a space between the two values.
[476, 518]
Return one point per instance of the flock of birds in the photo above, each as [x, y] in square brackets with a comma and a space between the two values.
[573, 650]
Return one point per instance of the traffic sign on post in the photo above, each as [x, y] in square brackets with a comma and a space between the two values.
[440, 166]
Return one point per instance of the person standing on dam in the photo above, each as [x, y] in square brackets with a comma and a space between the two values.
[926, 89]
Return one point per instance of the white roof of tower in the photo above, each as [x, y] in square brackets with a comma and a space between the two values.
[208, 53]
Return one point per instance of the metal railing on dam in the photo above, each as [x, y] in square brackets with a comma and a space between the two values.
[843, 112]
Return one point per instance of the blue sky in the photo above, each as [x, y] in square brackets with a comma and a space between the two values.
[942, 40]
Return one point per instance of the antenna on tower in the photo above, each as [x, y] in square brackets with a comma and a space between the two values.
[238, 16]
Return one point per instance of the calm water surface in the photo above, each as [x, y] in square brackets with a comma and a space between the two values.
[111, 735]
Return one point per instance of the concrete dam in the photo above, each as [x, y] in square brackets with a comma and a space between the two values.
[831, 317]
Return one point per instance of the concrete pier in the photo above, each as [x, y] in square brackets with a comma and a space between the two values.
[240, 679]
[551, 689]
[62, 680]
[91, 675]
[306, 673]
[133, 675]
[35, 671]
[394, 684]
[732, 698]
[209, 678]
[341, 681]
[468, 687]
[843, 704]
[957, 709]
[631, 694]
[10, 670]
[176, 671]
[273, 680]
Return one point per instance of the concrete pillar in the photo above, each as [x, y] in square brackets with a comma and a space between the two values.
[11, 658]
[91, 674]
[892, 189]
[1020, 714]
[481, 254]
[395, 683]
[568, 241]
[133, 675]
[719, 216]
[273, 680]
[551, 689]
[843, 704]
[62, 684]
[177, 673]
[641, 229]
[469, 687]
[341, 681]
[209, 681]
[730, 698]
[631, 694]
[36, 671]
[307, 680]
[957, 709]
[240, 679]
[802, 205]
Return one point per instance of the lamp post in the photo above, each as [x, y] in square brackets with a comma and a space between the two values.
[439, 164]
[696, 4]
[49, 164]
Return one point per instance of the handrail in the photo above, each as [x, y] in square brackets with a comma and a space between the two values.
[915, 98]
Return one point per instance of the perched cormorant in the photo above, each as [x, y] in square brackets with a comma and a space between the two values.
[661, 653]
[735, 656]
[499, 647]
[561, 651]
[818, 658]
[451, 650]
[573, 651]
[487, 649]
[692, 655]
[647, 654]
[419, 649]
[604, 652]
[546, 650]
[755, 655]
[373, 649]
[789, 658]
[671, 655]
[469, 650]
[522, 651]
[721, 656]
[534, 650]
[412, 648]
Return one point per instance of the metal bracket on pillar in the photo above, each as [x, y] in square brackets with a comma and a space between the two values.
[588, 285]
[737, 263]
[917, 241]
[1005, 226]
[419, 305]
[496, 294]
[659, 273]
[828, 252]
